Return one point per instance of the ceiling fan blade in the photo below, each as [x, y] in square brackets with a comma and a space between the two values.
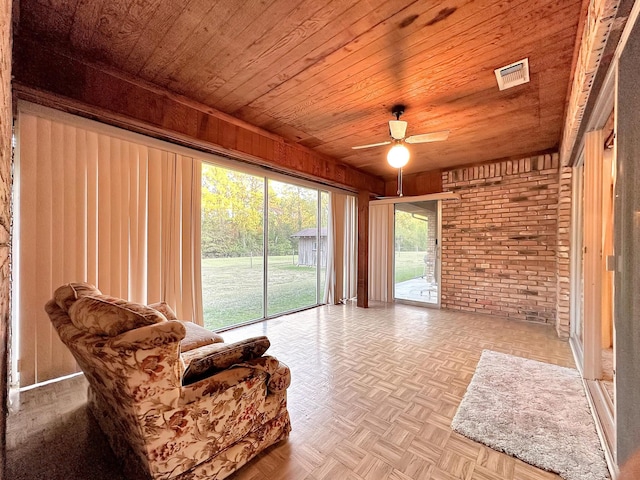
[398, 129]
[428, 137]
[371, 145]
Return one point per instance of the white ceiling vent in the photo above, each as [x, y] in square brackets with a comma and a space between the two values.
[514, 74]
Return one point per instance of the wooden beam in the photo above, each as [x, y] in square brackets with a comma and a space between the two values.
[43, 75]
[363, 249]
[415, 184]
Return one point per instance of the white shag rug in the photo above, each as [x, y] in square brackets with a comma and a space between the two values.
[534, 411]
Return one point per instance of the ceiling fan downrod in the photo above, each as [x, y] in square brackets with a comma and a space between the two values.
[397, 110]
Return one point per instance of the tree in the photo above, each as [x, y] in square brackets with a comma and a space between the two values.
[411, 232]
[233, 213]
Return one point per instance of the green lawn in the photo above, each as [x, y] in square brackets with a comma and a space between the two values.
[232, 288]
[409, 265]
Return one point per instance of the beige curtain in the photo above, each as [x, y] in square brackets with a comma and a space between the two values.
[380, 252]
[341, 281]
[91, 207]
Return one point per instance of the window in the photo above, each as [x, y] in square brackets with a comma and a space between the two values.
[259, 246]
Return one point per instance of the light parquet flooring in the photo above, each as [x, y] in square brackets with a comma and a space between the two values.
[372, 397]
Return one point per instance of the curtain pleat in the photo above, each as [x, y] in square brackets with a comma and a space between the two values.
[341, 278]
[379, 248]
[330, 286]
[118, 214]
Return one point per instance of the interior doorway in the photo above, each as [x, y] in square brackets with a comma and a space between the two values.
[416, 266]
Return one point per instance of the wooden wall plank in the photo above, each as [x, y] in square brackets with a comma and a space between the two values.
[421, 183]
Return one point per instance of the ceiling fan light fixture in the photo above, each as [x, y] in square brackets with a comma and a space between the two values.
[398, 156]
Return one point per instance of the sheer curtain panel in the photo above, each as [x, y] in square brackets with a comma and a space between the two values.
[342, 252]
[111, 211]
[380, 252]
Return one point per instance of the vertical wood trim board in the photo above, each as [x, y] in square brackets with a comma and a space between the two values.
[593, 164]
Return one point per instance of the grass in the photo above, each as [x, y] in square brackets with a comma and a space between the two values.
[232, 288]
[408, 265]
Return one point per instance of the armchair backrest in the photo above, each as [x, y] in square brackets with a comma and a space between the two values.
[146, 355]
[140, 362]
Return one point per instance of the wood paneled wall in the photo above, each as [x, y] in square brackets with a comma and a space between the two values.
[45, 76]
[414, 184]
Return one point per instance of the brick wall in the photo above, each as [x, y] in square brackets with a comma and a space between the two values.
[499, 242]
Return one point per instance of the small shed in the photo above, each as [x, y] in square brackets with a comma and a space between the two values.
[308, 246]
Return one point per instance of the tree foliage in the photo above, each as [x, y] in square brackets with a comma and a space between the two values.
[233, 213]
[411, 232]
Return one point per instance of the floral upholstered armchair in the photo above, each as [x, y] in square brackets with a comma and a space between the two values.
[174, 400]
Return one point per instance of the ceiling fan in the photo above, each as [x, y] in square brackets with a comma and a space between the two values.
[398, 130]
[398, 155]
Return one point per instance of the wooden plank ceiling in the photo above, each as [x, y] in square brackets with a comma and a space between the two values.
[325, 74]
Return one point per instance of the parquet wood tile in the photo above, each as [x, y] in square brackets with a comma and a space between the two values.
[373, 394]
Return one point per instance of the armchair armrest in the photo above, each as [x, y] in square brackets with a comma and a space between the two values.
[275, 374]
[210, 359]
[279, 374]
[219, 383]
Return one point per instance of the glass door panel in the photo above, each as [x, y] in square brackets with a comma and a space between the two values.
[417, 254]
[295, 247]
[324, 247]
[232, 247]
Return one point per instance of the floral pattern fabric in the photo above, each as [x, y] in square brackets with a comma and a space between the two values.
[162, 429]
[223, 356]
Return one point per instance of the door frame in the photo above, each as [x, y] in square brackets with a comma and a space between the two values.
[438, 269]
[391, 201]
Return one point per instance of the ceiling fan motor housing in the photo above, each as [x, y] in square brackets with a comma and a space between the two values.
[398, 129]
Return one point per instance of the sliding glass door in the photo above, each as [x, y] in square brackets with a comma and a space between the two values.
[416, 252]
[264, 246]
[295, 243]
